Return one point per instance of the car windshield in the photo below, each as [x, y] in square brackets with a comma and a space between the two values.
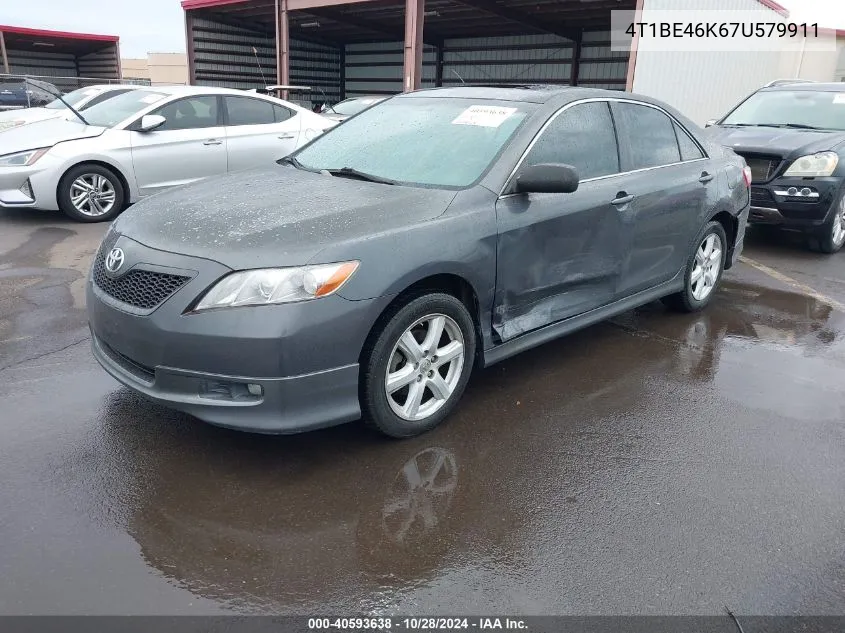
[791, 108]
[112, 111]
[73, 98]
[353, 106]
[425, 141]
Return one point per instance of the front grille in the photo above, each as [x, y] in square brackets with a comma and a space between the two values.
[763, 168]
[761, 197]
[141, 372]
[143, 289]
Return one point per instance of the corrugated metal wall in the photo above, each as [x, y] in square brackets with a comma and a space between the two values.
[102, 64]
[600, 67]
[377, 68]
[509, 59]
[705, 85]
[223, 57]
[64, 67]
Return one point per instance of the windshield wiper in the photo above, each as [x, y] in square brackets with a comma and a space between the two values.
[349, 172]
[291, 160]
[796, 126]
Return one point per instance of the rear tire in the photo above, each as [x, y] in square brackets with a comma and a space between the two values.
[831, 236]
[91, 193]
[416, 365]
[704, 270]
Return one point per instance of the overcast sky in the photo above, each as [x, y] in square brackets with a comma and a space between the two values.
[158, 25]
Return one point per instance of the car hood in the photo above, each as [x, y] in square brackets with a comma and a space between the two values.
[279, 216]
[13, 118]
[786, 143]
[45, 134]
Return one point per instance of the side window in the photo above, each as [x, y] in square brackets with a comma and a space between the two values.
[104, 96]
[188, 114]
[647, 136]
[282, 113]
[689, 150]
[248, 111]
[581, 136]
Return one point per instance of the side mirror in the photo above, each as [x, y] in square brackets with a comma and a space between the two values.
[150, 122]
[711, 122]
[547, 178]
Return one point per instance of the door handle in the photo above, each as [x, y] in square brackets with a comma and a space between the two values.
[705, 177]
[286, 136]
[212, 141]
[622, 198]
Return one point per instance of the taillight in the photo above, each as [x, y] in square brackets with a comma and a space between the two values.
[746, 174]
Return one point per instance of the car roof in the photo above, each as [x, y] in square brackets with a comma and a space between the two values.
[200, 90]
[808, 86]
[527, 93]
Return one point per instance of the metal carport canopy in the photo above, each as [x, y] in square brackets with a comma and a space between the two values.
[99, 53]
[415, 22]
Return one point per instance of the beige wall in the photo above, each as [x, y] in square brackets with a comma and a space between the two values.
[159, 68]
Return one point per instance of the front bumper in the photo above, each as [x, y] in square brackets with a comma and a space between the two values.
[781, 201]
[301, 358]
[33, 186]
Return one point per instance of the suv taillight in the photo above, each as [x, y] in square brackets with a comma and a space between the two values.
[746, 174]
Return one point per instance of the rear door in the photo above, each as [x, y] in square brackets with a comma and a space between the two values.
[191, 145]
[668, 180]
[559, 255]
[258, 132]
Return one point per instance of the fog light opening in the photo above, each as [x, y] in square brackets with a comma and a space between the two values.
[254, 389]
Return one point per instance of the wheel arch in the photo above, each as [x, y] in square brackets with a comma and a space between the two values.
[124, 181]
[730, 223]
[449, 283]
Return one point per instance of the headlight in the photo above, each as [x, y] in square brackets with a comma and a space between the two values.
[22, 159]
[821, 164]
[268, 286]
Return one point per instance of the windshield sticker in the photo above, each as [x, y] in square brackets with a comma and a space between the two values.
[151, 98]
[484, 116]
[839, 98]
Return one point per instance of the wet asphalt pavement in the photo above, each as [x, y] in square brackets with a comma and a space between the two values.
[656, 464]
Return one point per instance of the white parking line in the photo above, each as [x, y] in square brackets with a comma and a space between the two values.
[805, 289]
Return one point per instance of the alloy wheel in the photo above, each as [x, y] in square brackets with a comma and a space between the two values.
[92, 195]
[708, 265]
[425, 367]
[839, 224]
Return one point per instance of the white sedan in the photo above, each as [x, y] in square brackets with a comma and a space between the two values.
[80, 100]
[145, 141]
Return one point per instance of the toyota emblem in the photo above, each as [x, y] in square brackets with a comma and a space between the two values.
[114, 260]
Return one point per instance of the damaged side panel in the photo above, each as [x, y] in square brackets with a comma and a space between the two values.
[558, 255]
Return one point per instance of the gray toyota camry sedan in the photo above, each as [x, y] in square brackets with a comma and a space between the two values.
[368, 273]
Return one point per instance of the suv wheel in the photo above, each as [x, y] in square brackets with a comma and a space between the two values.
[704, 270]
[417, 366]
[832, 235]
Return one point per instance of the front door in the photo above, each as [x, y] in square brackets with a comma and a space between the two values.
[560, 255]
[191, 145]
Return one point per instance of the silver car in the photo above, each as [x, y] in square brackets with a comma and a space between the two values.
[145, 141]
[80, 100]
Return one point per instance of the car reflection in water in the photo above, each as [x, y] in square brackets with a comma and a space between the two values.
[524, 474]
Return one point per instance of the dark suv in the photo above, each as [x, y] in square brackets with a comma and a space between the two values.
[793, 138]
[16, 93]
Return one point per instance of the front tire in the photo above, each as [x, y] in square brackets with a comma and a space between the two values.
[91, 193]
[416, 367]
[831, 237]
[704, 270]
